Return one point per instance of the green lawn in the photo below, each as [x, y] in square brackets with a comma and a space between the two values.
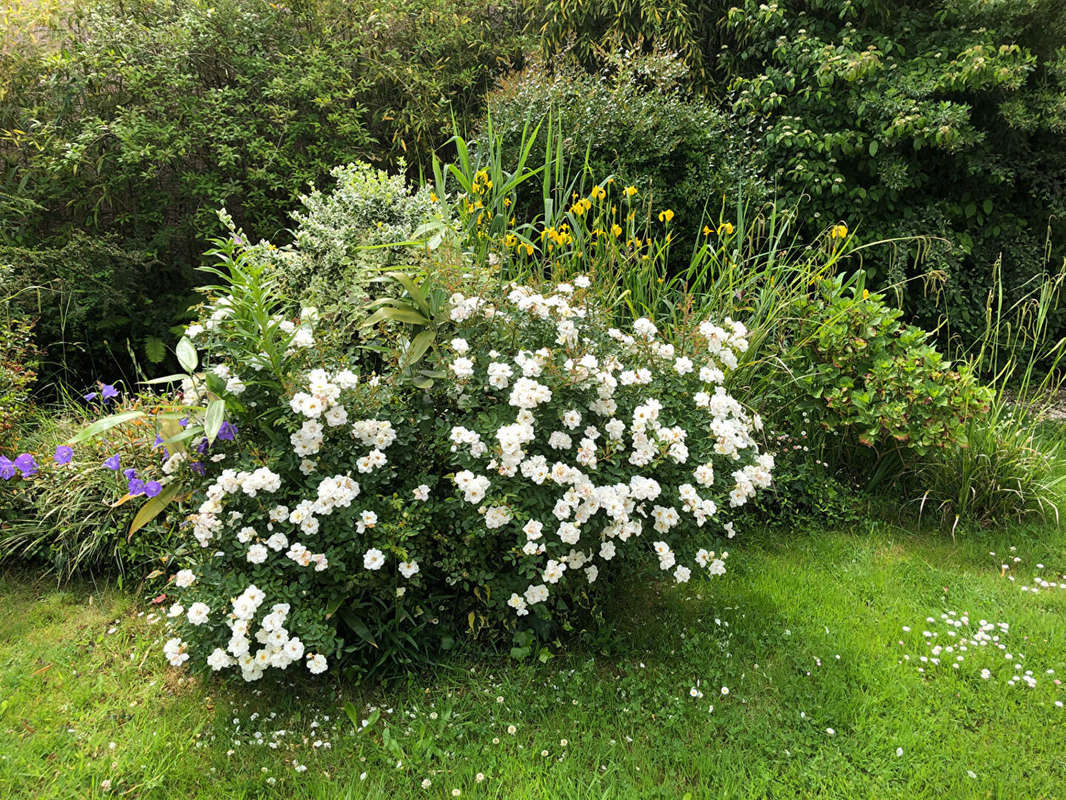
[806, 631]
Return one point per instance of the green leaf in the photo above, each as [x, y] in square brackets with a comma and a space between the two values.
[353, 621]
[155, 349]
[353, 713]
[418, 347]
[873, 148]
[105, 424]
[412, 288]
[186, 354]
[216, 413]
[153, 507]
[394, 315]
[165, 379]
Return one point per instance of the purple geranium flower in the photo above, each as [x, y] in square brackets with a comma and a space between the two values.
[201, 446]
[198, 468]
[158, 441]
[183, 422]
[7, 468]
[91, 396]
[114, 463]
[227, 431]
[136, 486]
[153, 488]
[108, 392]
[64, 454]
[26, 465]
[129, 474]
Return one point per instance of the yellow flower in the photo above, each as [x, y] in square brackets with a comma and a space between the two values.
[725, 228]
[507, 202]
[865, 294]
[839, 232]
[581, 206]
[510, 240]
[528, 249]
[598, 193]
[666, 215]
[433, 197]
[629, 191]
[706, 231]
[616, 230]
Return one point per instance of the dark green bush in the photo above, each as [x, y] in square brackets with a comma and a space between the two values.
[19, 358]
[138, 120]
[95, 301]
[903, 118]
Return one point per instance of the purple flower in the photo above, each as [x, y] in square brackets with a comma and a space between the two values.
[113, 463]
[64, 454]
[227, 431]
[26, 465]
[158, 441]
[201, 446]
[183, 422]
[91, 396]
[136, 486]
[108, 392]
[129, 474]
[7, 468]
[166, 454]
[198, 468]
[153, 488]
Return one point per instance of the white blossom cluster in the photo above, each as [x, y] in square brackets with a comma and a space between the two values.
[559, 449]
[582, 407]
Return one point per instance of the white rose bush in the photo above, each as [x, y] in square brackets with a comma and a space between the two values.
[359, 520]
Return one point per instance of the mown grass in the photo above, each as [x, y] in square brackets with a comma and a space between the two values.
[805, 632]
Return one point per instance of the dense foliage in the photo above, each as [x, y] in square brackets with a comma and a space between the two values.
[869, 378]
[19, 357]
[907, 119]
[138, 120]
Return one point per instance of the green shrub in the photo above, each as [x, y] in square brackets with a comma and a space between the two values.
[866, 377]
[346, 238]
[137, 120]
[1012, 465]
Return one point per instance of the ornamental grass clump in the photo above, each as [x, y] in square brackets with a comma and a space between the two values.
[372, 522]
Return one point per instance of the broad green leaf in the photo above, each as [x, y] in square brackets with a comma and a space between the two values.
[105, 424]
[216, 413]
[155, 349]
[356, 624]
[412, 288]
[153, 507]
[186, 354]
[418, 347]
[394, 315]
